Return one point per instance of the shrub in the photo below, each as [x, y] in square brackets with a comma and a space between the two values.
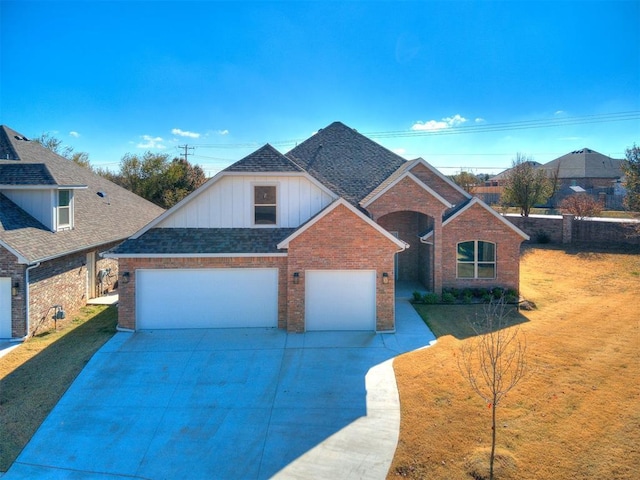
[497, 292]
[417, 296]
[542, 237]
[430, 298]
[467, 298]
[448, 297]
[581, 205]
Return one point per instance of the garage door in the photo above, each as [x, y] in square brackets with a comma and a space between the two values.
[340, 300]
[207, 298]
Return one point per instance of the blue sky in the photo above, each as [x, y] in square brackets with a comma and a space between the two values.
[465, 85]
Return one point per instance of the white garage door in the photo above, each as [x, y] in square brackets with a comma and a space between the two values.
[340, 300]
[207, 298]
[5, 307]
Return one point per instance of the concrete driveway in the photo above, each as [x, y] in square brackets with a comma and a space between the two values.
[231, 403]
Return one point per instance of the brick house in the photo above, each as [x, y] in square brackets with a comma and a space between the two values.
[315, 239]
[53, 226]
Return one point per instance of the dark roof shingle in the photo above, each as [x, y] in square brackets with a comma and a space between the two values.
[25, 174]
[346, 161]
[185, 241]
[97, 222]
[265, 159]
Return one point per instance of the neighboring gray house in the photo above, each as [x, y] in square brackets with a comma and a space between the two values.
[55, 219]
[582, 170]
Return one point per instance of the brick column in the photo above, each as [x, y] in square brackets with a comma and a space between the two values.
[567, 228]
[437, 255]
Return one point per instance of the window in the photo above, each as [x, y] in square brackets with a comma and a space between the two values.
[264, 208]
[476, 259]
[64, 209]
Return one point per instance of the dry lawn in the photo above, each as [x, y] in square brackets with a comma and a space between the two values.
[34, 376]
[576, 415]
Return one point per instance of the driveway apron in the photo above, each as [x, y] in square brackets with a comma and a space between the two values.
[229, 403]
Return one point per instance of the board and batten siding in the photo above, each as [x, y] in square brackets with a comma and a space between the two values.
[228, 203]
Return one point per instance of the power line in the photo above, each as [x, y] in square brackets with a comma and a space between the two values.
[186, 151]
[462, 129]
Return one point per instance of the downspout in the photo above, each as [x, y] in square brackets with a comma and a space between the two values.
[27, 290]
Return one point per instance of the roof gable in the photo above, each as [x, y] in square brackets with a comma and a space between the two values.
[470, 204]
[341, 201]
[346, 161]
[377, 193]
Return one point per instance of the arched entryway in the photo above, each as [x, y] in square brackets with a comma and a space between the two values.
[415, 264]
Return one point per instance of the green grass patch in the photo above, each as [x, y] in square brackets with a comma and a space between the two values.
[34, 376]
[458, 320]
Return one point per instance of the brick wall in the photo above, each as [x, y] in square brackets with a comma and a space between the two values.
[9, 267]
[406, 195]
[476, 223]
[341, 241]
[61, 281]
[438, 184]
[127, 291]
[585, 232]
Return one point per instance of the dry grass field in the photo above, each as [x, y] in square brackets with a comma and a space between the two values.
[576, 415]
[34, 376]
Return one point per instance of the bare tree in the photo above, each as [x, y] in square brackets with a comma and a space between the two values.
[525, 185]
[494, 361]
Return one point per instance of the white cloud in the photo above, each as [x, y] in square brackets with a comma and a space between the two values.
[185, 133]
[399, 151]
[560, 112]
[435, 125]
[74, 134]
[223, 132]
[151, 142]
[480, 120]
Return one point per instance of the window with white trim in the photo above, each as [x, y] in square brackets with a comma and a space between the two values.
[63, 210]
[476, 259]
[265, 206]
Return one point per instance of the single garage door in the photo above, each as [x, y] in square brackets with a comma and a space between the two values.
[207, 298]
[340, 300]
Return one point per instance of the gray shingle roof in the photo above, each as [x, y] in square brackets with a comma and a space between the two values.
[346, 161]
[25, 174]
[96, 221]
[185, 241]
[585, 163]
[265, 159]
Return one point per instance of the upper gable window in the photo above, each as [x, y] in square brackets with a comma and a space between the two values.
[63, 209]
[265, 206]
[476, 259]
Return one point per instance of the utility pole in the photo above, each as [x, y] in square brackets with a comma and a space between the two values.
[186, 151]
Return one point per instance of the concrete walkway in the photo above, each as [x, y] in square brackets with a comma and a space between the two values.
[232, 403]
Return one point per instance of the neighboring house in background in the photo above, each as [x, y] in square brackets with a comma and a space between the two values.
[580, 171]
[312, 240]
[596, 174]
[56, 217]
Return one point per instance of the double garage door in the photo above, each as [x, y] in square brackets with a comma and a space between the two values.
[248, 297]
